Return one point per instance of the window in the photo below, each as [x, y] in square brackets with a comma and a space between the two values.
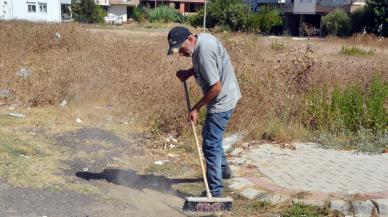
[31, 7]
[43, 7]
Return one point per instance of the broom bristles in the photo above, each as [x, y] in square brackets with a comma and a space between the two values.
[209, 205]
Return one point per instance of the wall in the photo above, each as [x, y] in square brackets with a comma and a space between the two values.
[304, 6]
[118, 10]
[19, 10]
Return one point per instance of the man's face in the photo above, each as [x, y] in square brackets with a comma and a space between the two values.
[187, 48]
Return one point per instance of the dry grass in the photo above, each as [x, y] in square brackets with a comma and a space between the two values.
[128, 71]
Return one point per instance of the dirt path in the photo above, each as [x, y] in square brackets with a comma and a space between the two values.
[109, 188]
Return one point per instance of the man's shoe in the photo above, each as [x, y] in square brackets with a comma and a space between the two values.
[227, 172]
[218, 194]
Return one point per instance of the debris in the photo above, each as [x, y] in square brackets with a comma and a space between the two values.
[5, 93]
[171, 146]
[229, 141]
[24, 72]
[17, 115]
[160, 162]
[12, 107]
[172, 155]
[58, 36]
[249, 193]
[78, 120]
[236, 151]
[63, 103]
[85, 169]
[22, 155]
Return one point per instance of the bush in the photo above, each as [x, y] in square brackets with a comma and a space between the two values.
[165, 14]
[87, 11]
[230, 13]
[265, 21]
[336, 23]
[139, 14]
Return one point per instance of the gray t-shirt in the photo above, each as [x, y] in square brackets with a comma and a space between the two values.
[211, 64]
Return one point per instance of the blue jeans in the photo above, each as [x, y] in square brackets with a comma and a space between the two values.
[212, 133]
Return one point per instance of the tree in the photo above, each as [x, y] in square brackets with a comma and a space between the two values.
[379, 9]
[87, 11]
[362, 20]
[337, 23]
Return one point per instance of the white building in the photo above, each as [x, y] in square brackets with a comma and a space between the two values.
[32, 10]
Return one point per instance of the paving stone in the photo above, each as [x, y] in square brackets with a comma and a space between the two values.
[311, 168]
[383, 205]
[249, 193]
[279, 198]
[239, 183]
[310, 202]
[236, 151]
[363, 209]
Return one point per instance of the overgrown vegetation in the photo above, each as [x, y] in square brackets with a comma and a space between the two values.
[140, 86]
[86, 11]
[357, 116]
[355, 51]
[299, 209]
[165, 14]
[237, 16]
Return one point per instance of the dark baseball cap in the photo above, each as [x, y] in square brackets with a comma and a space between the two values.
[176, 37]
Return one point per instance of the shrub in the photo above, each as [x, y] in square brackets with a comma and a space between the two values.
[165, 14]
[355, 51]
[336, 23]
[139, 14]
[87, 11]
[269, 19]
[230, 13]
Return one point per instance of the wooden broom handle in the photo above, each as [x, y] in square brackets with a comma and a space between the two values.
[209, 195]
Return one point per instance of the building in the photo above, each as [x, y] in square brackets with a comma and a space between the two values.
[300, 14]
[33, 10]
[121, 9]
[184, 6]
[256, 4]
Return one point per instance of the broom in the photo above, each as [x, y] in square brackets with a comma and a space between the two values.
[207, 204]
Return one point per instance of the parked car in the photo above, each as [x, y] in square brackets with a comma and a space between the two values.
[114, 20]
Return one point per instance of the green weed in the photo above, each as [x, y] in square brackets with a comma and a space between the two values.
[355, 51]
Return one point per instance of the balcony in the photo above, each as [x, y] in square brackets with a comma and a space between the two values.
[125, 2]
[102, 2]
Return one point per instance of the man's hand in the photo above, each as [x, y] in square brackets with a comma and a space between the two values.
[193, 116]
[183, 75]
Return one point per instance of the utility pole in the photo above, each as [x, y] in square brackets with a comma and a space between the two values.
[204, 18]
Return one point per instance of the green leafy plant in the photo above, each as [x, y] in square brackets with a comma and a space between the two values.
[336, 23]
[299, 209]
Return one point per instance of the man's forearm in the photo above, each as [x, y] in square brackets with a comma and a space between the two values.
[212, 94]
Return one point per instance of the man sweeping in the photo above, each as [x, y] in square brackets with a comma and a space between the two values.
[214, 73]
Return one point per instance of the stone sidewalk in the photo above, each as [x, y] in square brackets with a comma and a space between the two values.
[313, 175]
